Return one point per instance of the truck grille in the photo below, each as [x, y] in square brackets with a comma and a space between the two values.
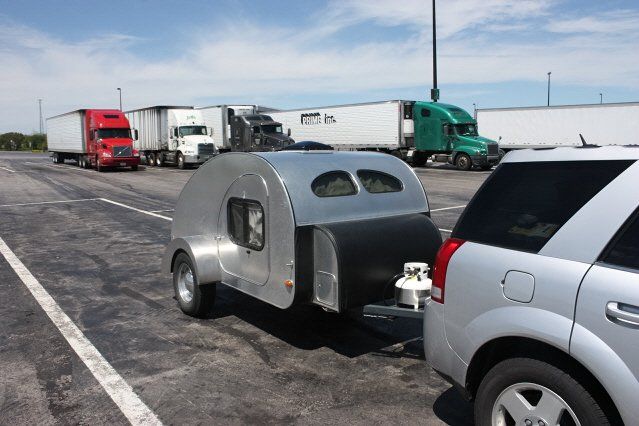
[493, 149]
[206, 149]
[122, 151]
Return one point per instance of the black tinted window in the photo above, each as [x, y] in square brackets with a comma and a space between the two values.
[246, 223]
[379, 182]
[333, 184]
[523, 205]
[624, 250]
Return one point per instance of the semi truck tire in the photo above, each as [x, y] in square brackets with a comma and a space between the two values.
[542, 385]
[419, 159]
[159, 159]
[180, 161]
[486, 167]
[195, 300]
[463, 162]
[150, 159]
[134, 167]
[81, 162]
[98, 166]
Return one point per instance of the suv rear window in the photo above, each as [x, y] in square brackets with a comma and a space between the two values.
[523, 205]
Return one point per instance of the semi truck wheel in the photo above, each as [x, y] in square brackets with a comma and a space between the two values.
[159, 159]
[419, 159]
[528, 391]
[463, 162]
[194, 299]
[98, 165]
[134, 167]
[150, 159]
[180, 162]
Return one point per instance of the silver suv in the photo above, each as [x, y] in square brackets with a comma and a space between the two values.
[534, 311]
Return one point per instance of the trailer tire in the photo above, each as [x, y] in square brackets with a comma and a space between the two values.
[81, 162]
[463, 162]
[159, 160]
[150, 159]
[194, 300]
[180, 162]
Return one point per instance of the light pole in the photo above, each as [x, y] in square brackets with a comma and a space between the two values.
[475, 111]
[601, 98]
[549, 72]
[40, 115]
[434, 93]
[120, 90]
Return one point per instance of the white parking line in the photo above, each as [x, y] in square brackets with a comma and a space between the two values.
[49, 202]
[136, 411]
[9, 170]
[446, 230]
[162, 211]
[106, 200]
[448, 208]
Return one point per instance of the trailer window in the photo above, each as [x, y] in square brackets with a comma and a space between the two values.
[246, 223]
[333, 184]
[379, 182]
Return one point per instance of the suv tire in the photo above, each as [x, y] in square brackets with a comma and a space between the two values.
[529, 379]
[194, 299]
[463, 162]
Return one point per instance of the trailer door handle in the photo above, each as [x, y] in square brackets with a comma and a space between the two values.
[621, 311]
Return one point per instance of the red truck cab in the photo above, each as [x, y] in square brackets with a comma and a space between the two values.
[109, 141]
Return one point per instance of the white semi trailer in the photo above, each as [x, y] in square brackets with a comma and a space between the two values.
[171, 134]
[386, 125]
[554, 126]
[218, 118]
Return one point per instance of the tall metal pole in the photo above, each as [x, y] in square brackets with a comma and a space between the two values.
[40, 109]
[601, 98]
[475, 111]
[120, 90]
[549, 72]
[434, 94]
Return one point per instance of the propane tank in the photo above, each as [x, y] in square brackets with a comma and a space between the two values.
[413, 288]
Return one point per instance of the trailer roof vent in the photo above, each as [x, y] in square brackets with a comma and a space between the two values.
[111, 116]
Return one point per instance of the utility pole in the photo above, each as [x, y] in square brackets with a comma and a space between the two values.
[120, 90]
[474, 110]
[434, 93]
[601, 98]
[41, 123]
[549, 72]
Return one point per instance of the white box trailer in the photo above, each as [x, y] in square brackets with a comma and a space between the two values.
[218, 118]
[65, 133]
[385, 125]
[172, 134]
[539, 127]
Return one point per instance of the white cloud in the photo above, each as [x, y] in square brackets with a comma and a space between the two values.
[503, 40]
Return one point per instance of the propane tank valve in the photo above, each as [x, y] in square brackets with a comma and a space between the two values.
[414, 287]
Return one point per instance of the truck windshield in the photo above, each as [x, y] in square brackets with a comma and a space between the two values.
[192, 130]
[272, 128]
[114, 133]
[466, 129]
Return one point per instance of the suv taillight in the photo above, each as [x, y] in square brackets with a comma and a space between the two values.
[441, 266]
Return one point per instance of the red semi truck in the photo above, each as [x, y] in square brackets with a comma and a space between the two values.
[97, 138]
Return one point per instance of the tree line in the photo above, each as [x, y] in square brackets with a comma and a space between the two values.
[14, 141]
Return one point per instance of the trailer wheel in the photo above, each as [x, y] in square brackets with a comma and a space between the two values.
[180, 161]
[463, 162]
[150, 159]
[159, 159]
[195, 300]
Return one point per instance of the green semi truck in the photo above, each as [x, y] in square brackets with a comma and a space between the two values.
[413, 130]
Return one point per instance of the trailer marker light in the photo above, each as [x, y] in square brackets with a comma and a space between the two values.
[288, 283]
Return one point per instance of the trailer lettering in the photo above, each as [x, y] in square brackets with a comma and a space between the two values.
[311, 118]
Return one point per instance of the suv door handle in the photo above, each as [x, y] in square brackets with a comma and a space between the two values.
[614, 310]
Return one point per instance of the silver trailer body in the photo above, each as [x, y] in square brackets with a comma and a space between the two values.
[65, 133]
[295, 246]
[555, 126]
[153, 126]
[386, 125]
[218, 117]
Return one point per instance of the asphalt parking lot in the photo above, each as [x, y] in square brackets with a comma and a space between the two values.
[94, 241]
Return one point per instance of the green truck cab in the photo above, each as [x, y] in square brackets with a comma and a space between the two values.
[448, 133]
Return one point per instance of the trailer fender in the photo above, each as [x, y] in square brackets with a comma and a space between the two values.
[203, 253]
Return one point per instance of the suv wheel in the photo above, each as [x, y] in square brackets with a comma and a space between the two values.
[463, 162]
[194, 299]
[526, 391]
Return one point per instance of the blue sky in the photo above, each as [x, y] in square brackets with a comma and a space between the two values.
[288, 54]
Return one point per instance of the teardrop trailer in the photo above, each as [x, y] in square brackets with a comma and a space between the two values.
[316, 227]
